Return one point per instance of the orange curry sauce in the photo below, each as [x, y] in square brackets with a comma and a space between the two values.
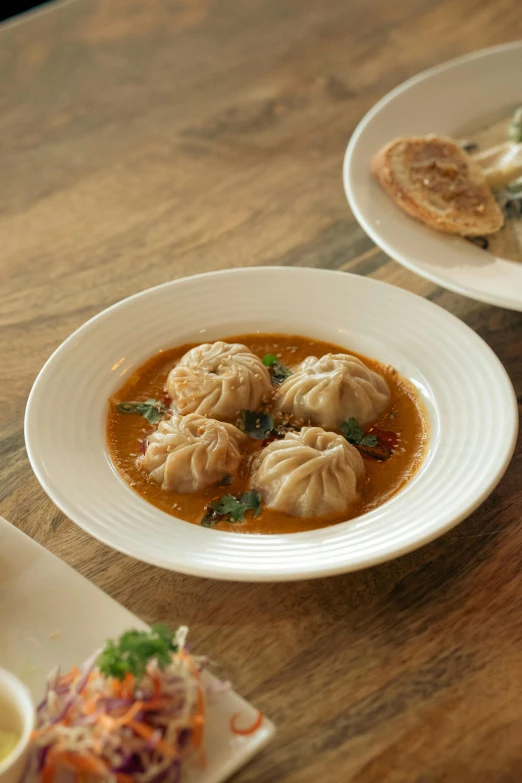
[126, 434]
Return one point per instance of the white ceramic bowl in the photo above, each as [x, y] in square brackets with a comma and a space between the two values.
[459, 378]
[458, 95]
[16, 714]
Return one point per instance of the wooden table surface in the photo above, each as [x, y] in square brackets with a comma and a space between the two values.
[143, 141]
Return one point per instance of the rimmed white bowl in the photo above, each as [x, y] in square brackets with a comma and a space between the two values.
[458, 376]
[458, 95]
[17, 714]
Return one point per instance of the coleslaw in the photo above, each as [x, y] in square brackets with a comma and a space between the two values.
[131, 714]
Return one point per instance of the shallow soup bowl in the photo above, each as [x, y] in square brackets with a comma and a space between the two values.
[457, 376]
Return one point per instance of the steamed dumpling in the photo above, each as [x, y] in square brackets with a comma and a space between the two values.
[188, 453]
[218, 379]
[330, 390]
[309, 473]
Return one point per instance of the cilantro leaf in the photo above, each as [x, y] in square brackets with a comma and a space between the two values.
[150, 409]
[377, 445]
[354, 434]
[278, 371]
[369, 440]
[232, 508]
[251, 501]
[257, 424]
[228, 505]
[134, 649]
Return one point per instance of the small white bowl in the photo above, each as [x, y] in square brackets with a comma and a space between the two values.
[16, 714]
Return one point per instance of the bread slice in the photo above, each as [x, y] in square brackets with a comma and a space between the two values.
[435, 181]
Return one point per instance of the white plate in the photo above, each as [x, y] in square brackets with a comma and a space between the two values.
[50, 615]
[458, 376]
[459, 94]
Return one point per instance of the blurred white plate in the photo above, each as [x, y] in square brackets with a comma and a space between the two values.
[459, 378]
[50, 615]
[457, 95]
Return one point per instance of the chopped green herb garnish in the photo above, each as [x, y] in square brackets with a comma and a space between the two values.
[510, 199]
[515, 188]
[469, 146]
[134, 649]
[232, 508]
[355, 434]
[257, 424]
[513, 207]
[278, 371]
[150, 409]
[515, 129]
[482, 242]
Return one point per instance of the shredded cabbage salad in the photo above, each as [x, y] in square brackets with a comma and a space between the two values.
[135, 727]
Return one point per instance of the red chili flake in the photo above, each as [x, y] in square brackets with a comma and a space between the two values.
[271, 438]
[386, 437]
[167, 399]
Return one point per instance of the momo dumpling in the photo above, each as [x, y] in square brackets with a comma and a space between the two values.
[311, 473]
[330, 390]
[218, 379]
[188, 453]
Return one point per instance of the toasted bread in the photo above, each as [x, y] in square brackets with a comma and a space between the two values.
[435, 181]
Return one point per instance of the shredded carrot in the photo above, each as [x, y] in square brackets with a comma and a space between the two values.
[116, 687]
[192, 667]
[121, 777]
[66, 679]
[131, 713]
[90, 705]
[154, 704]
[250, 730]
[128, 686]
[48, 773]
[65, 721]
[142, 730]
[81, 762]
[202, 757]
[36, 733]
[198, 721]
[201, 701]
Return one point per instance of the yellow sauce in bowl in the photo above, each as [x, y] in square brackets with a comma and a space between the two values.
[8, 742]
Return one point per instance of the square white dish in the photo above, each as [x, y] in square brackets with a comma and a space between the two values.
[50, 615]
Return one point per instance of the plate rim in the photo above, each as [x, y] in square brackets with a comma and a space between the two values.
[231, 573]
[396, 255]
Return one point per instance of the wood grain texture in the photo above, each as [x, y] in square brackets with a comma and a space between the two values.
[144, 141]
